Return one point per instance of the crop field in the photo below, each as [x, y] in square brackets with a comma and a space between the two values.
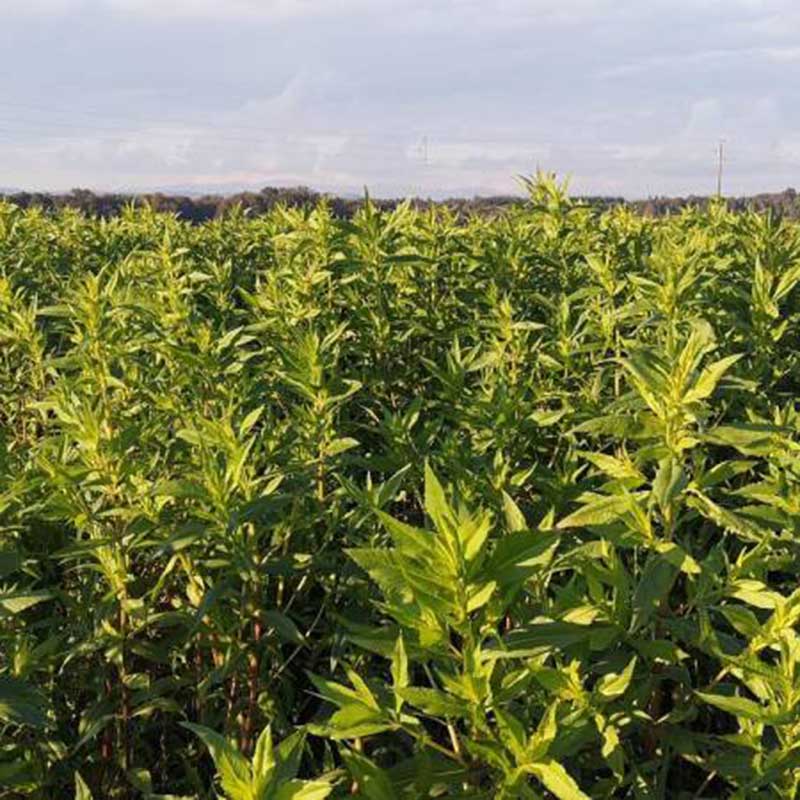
[399, 507]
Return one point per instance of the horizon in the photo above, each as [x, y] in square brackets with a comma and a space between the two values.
[410, 98]
[435, 197]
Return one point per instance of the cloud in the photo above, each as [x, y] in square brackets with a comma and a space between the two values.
[706, 58]
[413, 12]
[229, 9]
[339, 94]
[41, 7]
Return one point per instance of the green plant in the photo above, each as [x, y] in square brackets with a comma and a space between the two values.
[448, 506]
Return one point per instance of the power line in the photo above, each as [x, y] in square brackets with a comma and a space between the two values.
[451, 136]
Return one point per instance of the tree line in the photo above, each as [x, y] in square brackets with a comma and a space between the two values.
[202, 208]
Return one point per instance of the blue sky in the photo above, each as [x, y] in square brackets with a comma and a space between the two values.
[405, 96]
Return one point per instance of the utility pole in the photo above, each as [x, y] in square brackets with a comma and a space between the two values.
[720, 161]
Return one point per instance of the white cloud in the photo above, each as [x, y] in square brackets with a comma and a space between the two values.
[784, 55]
[458, 153]
[40, 7]
[703, 58]
[339, 93]
[227, 9]
[635, 152]
[408, 11]
[788, 151]
[168, 9]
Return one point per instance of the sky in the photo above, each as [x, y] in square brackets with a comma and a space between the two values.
[421, 97]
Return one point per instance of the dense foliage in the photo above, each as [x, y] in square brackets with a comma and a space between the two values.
[400, 507]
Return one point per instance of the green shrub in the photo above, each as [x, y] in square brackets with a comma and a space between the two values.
[402, 506]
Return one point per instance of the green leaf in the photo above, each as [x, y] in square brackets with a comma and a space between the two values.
[365, 694]
[263, 757]
[10, 560]
[472, 533]
[669, 482]
[649, 377]
[337, 693]
[233, 770]
[181, 489]
[339, 446]
[396, 576]
[601, 511]
[436, 503]
[537, 638]
[303, 790]
[743, 620]
[284, 627]
[754, 593]
[678, 557]
[17, 602]
[557, 780]
[726, 519]
[250, 420]
[20, 704]
[709, 378]
[399, 665]
[517, 556]
[547, 417]
[657, 578]
[288, 754]
[434, 702]
[738, 706]
[82, 791]
[373, 782]
[512, 732]
[614, 467]
[353, 721]
[415, 542]
[748, 438]
[612, 686]
[515, 520]
[724, 471]
[141, 780]
[544, 735]
[479, 596]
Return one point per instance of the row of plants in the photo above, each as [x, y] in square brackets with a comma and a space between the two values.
[403, 506]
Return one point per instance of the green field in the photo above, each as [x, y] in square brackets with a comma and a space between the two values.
[403, 506]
